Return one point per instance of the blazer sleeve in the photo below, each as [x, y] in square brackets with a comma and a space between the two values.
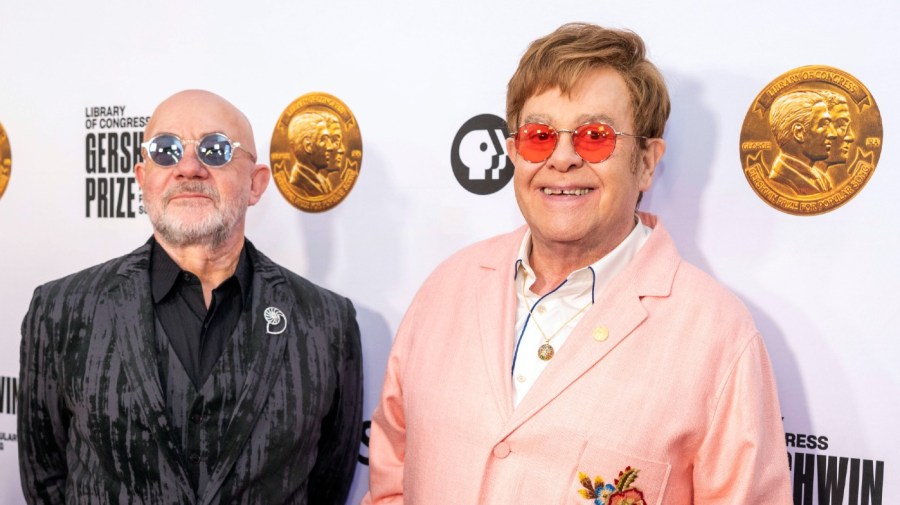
[341, 431]
[42, 423]
[743, 458]
[387, 438]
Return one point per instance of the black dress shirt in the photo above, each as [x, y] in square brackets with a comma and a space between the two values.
[197, 333]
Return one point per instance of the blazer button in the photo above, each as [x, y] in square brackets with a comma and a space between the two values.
[501, 450]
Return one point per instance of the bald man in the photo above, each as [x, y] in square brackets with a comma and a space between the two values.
[193, 370]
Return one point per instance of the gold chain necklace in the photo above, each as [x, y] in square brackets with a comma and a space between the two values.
[546, 351]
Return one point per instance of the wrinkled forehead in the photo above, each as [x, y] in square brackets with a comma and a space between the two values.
[601, 95]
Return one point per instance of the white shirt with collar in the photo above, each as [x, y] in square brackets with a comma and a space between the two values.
[556, 314]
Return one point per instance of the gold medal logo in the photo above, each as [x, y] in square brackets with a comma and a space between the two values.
[5, 160]
[316, 152]
[811, 140]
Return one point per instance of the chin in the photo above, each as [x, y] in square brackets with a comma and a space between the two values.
[561, 234]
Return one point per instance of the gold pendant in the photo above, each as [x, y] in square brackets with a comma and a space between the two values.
[545, 352]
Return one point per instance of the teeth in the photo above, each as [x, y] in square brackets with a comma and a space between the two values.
[575, 192]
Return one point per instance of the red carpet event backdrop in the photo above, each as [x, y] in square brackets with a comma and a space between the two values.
[417, 94]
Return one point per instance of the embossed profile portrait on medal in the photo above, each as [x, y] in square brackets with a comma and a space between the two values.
[316, 152]
[811, 140]
[315, 140]
[804, 130]
[5, 161]
[836, 166]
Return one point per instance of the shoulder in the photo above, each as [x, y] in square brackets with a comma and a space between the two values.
[306, 289]
[686, 296]
[477, 262]
[305, 292]
[661, 271]
[71, 298]
[718, 319]
[693, 283]
[95, 279]
[492, 254]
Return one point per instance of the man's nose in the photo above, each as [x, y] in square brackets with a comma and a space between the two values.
[189, 165]
[564, 157]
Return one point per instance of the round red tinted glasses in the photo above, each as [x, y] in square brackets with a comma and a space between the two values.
[594, 142]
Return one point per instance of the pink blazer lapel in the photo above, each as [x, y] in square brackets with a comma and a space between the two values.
[609, 322]
[496, 312]
[615, 316]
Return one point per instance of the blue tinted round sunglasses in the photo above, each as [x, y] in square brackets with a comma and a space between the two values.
[213, 150]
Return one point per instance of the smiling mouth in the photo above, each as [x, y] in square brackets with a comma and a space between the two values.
[572, 192]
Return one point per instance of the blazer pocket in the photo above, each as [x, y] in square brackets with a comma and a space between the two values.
[603, 471]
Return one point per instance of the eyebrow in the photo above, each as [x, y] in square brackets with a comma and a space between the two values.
[582, 119]
[199, 138]
[602, 118]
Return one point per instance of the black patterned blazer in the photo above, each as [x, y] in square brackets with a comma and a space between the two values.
[284, 409]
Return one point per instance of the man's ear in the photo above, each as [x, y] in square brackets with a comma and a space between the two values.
[139, 174]
[647, 162]
[259, 181]
[798, 132]
[511, 148]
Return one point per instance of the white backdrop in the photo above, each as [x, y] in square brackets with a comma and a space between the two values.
[822, 288]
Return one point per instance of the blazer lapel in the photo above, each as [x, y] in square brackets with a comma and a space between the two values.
[131, 311]
[615, 316]
[495, 309]
[270, 327]
[613, 319]
[496, 312]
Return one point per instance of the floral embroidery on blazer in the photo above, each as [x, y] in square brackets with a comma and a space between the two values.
[620, 492]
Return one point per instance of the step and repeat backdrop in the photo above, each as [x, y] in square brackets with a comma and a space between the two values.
[414, 97]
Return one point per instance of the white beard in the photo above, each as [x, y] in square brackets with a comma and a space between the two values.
[216, 227]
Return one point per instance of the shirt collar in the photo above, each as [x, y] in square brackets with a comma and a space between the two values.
[164, 272]
[594, 277]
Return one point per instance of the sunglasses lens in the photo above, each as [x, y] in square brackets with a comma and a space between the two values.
[535, 142]
[165, 150]
[214, 150]
[594, 142]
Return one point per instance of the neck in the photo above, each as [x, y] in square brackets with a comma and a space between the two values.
[551, 268]
[552, 262]
[212, 264]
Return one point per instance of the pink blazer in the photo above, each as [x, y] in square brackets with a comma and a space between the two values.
[665, 383]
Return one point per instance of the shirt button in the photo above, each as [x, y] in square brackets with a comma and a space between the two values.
[521, 378]
[541, 309]
[186, 276]
[501, 450]
[196, 418]
[195, 457]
